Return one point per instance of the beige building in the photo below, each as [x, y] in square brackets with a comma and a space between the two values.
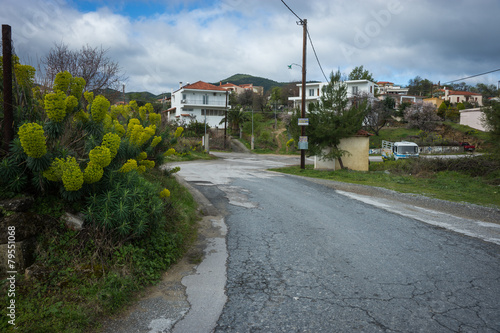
[358, 147]
[455, 96]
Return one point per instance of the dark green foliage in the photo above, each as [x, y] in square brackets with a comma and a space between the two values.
[131, 208]
[492, 119]
[359, 73]
[53, 129]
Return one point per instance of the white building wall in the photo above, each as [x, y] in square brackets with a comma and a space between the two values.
[202, 105]
[473, 118]
[314, 91]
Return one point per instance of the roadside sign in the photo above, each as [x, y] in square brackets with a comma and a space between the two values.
[303, 144]
[303, 121]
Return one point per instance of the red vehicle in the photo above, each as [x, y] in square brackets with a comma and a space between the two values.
[467, 146]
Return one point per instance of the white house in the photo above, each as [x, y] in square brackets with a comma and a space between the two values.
[314, 91]
[201, 101]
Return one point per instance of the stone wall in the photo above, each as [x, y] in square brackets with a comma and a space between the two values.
[430, 150]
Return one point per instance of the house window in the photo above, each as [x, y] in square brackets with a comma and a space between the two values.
[371, 89]
[311, 92]
[458, 99]
[205, 99]
[354, 90]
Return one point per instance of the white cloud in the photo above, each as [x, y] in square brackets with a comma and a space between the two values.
[395, 40]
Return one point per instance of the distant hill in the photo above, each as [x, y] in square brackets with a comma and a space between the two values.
[239, 79]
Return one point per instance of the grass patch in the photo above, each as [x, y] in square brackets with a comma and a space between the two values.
[392, 134]
[474, 180]
[82, 277]
[191, 156]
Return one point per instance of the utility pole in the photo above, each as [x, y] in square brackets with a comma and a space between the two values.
[303, 129]
[225, 124]
[8, 118]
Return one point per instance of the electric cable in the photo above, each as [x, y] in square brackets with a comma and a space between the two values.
[468, 77]
[310, 40]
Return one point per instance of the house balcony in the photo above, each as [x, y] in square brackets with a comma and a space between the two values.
[200, 102]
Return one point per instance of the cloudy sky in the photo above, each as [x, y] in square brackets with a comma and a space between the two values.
[159, 43]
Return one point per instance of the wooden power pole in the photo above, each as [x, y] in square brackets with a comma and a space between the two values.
[303, 115]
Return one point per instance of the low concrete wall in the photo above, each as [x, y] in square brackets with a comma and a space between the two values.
[429, 150]
[357, 146]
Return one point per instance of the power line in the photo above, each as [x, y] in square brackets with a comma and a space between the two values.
[317, 59]
[310, 40]
[468, 77]
[297, 16]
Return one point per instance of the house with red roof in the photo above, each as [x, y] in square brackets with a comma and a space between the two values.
[455, 96]
[200, 101]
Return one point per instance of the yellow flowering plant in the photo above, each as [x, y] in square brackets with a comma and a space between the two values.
[33, 140]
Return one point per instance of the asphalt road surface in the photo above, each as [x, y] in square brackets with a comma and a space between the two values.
[295, 255]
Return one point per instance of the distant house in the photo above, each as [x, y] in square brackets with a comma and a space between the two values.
[388, 88]
[455, 96]
[314, 91]
[201, 101]
[242, 87]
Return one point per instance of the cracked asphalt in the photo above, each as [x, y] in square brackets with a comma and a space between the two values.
[303, 257]
[306, 259]
[289, 254]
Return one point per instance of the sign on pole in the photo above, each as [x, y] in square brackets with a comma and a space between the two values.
[303, 121]
[303, 144]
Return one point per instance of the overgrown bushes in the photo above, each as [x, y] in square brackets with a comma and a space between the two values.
[76, 152]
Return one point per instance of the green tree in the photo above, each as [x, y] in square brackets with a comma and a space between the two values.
[235, 119]
[442, 111]
[492, 121]
[420, 87]
[359, 73]
[333, 118]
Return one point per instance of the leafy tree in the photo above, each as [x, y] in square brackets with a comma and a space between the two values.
[359, 73]
[422, 116]
[91, 64]
[287, 91]
[333, 118]
[401, 108]
[420, 87]
[492, 121]
[246, 98]
[275, 97]
[442, 111]
[235, 118]
[453, 112]
[379, 113]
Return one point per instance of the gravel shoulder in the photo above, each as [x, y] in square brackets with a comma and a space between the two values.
[460, 209]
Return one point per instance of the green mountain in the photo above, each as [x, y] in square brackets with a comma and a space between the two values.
[239, 79]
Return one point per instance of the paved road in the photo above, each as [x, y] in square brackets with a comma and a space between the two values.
[286, 254]
[305, 258]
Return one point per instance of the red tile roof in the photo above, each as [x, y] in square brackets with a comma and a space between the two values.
[200, 85]
[464, 93]
[229, 85]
